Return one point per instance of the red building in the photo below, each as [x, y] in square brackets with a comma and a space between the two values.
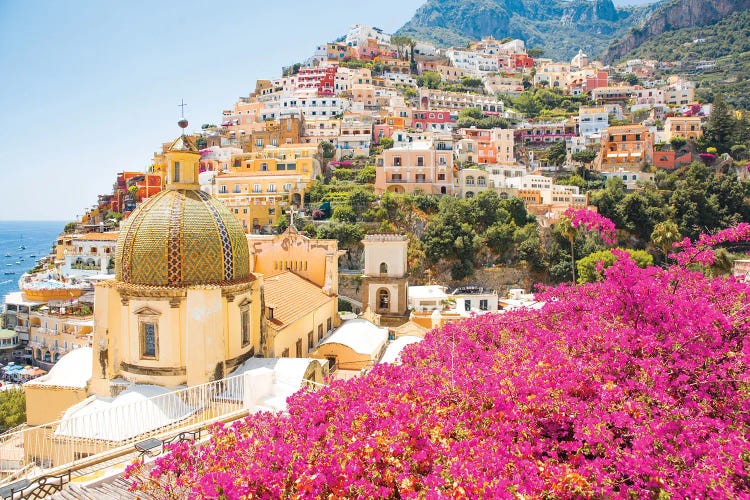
[520, 61]
[321, 79]
[435, 120]
[601, 79]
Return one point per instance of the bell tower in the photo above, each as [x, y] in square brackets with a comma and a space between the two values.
[385, 282]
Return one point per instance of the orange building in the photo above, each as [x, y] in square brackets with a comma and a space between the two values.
[626, 145]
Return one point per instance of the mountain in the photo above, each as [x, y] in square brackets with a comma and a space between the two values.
[558, 27]
[715, 56]
[672, 16]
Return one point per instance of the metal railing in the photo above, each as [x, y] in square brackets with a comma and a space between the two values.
[90, 431]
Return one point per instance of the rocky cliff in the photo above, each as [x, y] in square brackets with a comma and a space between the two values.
[559, 27]
[671, 16]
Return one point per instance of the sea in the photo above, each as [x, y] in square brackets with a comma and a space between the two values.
[38, 238]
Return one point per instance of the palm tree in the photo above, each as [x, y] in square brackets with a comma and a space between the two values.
[664, 234]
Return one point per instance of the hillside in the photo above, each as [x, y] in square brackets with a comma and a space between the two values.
[672, 16]
[726, 44]
[559, 27]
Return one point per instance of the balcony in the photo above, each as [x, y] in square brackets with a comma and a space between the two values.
[21, 329]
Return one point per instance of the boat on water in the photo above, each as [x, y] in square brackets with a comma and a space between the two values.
[7, 255]
[32, 255]
[9, 272]
[8, 264]
[18, 262]
[22, 247]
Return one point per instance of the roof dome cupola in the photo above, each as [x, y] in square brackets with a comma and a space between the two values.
[182, 236]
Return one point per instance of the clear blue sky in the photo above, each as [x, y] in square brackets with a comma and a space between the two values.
[91, 88]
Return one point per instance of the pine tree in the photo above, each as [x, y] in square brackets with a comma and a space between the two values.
[721, 125]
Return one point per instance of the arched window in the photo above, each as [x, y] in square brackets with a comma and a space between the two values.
[469, 194]
[384, 299]
[383, 268]
[469, 180]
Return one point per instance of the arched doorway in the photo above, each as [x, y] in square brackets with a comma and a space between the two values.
[383, 303]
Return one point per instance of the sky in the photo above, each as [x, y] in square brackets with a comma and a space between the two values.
[92, 88]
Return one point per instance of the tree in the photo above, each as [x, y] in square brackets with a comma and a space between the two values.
[12, 409]
[327, 149]
[557, 154]
[429, 79]
[366, 175]
[344, 213]
[664, 235]
[585, 156]
[677, 142]
[386, 142]
[721, 125]
[591, 267]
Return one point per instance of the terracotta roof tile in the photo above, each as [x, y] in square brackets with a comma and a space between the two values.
[292, 297]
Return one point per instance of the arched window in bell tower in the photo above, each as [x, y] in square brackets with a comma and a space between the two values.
[383, 268]
[384, 299]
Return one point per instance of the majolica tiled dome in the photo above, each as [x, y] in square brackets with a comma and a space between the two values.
[182, 237]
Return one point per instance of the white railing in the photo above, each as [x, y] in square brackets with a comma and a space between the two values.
[92, 431]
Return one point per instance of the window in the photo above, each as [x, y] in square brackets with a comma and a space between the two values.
[256, 188]
[148, 340]
[298, 348]
[310, 341]
[383, 268]
[441, 177]
[264, 167]
[259, 142]
[467, 305]
[285, 353]
[245, 323]
[396, 161]
[420, 161]
[328, 324]
[176, 172]
[236, 188]
[272, 188]
[483, 305]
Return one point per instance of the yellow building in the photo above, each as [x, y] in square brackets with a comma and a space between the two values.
[183, 303]
[259, 185]
[688, 127]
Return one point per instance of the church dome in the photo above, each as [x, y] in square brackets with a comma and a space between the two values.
[182, 237]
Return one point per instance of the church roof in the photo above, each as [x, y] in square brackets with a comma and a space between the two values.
[182, 237]
[360, 336]
[183, 143]
[292, 297]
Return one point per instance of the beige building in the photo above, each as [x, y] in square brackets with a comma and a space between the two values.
[356, 345]
[471, 182]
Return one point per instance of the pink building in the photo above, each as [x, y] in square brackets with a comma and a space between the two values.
[417, 167]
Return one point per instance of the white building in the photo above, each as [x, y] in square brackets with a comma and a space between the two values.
[592, 120]
[358, 35]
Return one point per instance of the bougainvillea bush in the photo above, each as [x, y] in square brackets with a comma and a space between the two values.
[632, 387]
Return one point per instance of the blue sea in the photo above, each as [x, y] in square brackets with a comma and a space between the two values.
[37, 236]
